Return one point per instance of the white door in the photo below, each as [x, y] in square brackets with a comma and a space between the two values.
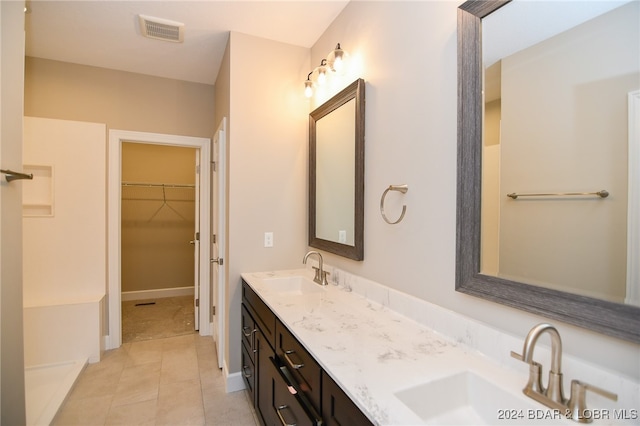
[218, 243]
[196, 248]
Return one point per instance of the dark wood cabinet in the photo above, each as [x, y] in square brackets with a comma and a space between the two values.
[286, 384]
[264, 386]
[337, 407]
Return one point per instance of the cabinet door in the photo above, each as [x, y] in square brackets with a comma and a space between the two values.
[337, 407]
[264, 384]
[264, 318]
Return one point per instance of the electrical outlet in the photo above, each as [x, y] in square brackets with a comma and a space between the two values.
[342, 236]
[268, 239]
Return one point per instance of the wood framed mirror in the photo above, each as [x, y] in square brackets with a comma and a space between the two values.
[336, 173]
[613, 318]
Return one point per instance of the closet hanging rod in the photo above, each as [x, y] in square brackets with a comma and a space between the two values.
[602, 194]
[158, 185]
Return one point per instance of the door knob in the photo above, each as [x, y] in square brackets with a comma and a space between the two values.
[192, 242]
[218, 260]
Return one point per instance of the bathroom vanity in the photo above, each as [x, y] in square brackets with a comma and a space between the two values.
[358, 349]
[287, 385]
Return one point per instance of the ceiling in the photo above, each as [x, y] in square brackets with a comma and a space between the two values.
[106, 33]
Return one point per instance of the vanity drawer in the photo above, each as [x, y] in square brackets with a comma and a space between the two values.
[303, 367]
[248, 330]
[263, 316]
[290, 407]
[248, 371]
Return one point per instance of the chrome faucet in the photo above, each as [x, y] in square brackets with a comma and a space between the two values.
[553, 395]
[321, 275]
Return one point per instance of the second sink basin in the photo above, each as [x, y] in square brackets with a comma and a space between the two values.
[296, 284]
[466, 398]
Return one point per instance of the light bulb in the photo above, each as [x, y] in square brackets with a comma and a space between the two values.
[322, 72]
[322, 76]
[336, 59]
[337, 64]
[308, 88]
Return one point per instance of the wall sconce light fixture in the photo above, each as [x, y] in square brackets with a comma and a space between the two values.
[334, 63]
[336, 58]
[308, 86]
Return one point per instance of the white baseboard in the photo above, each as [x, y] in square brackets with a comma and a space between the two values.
[156, 293]
[233, 382]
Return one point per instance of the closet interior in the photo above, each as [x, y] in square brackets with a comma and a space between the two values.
[159, 199]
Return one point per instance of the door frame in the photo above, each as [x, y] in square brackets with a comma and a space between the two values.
[218, 225]
[114, 180]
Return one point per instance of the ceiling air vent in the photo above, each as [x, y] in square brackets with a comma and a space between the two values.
[161, 29]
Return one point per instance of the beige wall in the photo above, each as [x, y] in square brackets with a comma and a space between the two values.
[12, 407]
[407, 55]
[122, 100]
[156, 253]
[267, 148]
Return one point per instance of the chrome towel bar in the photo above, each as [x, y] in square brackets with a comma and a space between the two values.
[601, 194]
[10, 175]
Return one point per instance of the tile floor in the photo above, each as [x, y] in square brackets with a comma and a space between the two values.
[157, 318]
[171, 381]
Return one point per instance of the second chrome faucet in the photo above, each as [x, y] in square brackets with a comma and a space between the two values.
[320, 275]
[553, 395]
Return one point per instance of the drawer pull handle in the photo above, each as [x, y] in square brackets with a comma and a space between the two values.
[244, 371]
[253, 339]
[294, 365]
[244, 331]
[280, 416]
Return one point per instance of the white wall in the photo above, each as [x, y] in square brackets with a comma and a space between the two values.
[12, 408]
[267, 148]
[407, 54]
[64, 255]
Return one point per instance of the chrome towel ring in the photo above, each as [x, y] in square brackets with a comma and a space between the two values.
[401, 188]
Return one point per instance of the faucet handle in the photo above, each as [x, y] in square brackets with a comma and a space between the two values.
[316, 277]
[578, 399]
[517, 356]
[324, 277]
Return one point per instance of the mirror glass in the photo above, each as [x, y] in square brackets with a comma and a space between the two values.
[548, 118]
[556, 122]
[336, 173]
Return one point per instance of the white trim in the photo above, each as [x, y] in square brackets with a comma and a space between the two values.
[156, 293]
[116, 137]
[633, 202]
[233, 382]
[221, 218]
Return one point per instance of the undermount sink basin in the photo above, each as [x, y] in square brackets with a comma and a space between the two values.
[466, 398]
[296, 284]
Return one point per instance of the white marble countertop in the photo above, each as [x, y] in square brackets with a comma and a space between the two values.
[373, 352]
